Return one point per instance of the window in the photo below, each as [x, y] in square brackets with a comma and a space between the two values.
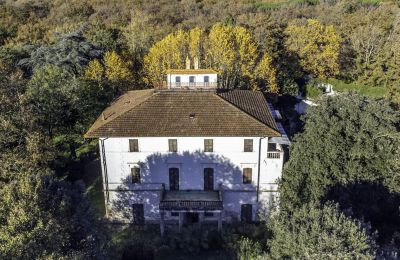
[206, 79]
[208, 178]
[174, 178]
[272, 147]
[208, 214]
[137, 214]
[174, 214]
[173, 145]
[247, 175]
[208, 145]
[248, 145]
[192, 79]
[135, 174]
[133, 145]
[246, 212]
[178, 79]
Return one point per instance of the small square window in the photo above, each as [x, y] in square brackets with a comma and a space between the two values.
[272, 147]
[247, 175]
[135, 173]
[248, 145]
[133, 145]
[208, 145]
[173, 145]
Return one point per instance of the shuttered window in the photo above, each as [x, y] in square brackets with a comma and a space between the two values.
[248, 145]
[173, 145]
[133, 145]
[247, 175]
[208, 145]
[135, 173]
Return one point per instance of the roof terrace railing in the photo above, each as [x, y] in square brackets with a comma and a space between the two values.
[190, 85]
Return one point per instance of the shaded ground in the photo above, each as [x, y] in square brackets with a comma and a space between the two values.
[94, 185]
[145, 242]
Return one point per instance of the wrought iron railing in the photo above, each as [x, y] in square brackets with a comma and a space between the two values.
[190, 205]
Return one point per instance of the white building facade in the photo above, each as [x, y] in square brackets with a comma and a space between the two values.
[186, 157]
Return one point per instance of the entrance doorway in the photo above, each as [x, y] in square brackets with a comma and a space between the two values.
[192, 218]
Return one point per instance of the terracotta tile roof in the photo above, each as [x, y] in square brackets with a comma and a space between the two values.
[191, 71]
[167, 113]
[251, 102]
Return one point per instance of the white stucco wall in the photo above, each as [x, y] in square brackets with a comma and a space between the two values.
[228, 159]
[185, 77]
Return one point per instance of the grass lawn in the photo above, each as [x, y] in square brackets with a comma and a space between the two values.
[341, 86]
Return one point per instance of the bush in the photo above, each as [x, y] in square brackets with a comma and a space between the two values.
[249, 250]
[138, 250]
[319, 233]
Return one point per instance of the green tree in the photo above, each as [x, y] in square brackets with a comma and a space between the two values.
[346, 139]
[42, 217]
[71, 52]
[312, 232]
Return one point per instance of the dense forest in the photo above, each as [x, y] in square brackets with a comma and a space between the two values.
[62, 62]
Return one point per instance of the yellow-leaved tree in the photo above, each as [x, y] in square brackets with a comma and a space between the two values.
[116, 69]
[230, 50]
[267, 73]
[94, 71]
[318, 47]
[168, 53]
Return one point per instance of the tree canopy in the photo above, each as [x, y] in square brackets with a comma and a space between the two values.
[317, 233]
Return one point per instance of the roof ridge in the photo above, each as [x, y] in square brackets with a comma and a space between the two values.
[245, 112]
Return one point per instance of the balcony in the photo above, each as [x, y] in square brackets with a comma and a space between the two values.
[274, 155]
[189, 200]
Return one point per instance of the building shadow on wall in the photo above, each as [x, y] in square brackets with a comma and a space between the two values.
[154, 171]
[371, 203]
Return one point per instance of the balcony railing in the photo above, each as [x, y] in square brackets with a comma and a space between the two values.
[190, 205]
[274, 155]
[191, 199]
[191, 85]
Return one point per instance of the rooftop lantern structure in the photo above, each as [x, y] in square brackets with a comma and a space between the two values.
[192, 78]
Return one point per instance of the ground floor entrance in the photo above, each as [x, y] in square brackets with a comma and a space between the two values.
[192, 218]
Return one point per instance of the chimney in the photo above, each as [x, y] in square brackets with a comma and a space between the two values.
[196, 63]
[187, 63]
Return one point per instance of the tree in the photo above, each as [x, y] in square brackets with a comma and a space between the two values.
[42, 217]
[318, 47]
[170, 52]
[346, 139]
[311, 232]
[51, 95]
[267, 72]
[233, 52]
[230, 50]
[116, 69]
[71, 52]
[94, 71]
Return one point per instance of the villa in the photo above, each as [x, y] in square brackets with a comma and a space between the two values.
[189, 152]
